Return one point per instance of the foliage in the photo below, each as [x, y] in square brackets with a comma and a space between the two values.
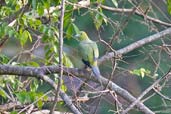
[140, 72]
[169, 6]
[32, 29]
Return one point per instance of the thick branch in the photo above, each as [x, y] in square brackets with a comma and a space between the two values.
[37, 72]
[64, 96]
[136, 45]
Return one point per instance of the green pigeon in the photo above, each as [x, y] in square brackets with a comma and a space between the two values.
[89, 53]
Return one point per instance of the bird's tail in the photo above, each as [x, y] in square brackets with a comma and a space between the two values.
[96, 72]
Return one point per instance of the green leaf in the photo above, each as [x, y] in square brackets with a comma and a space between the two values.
[40, 9]
[69, 31]
[32, 63]
[98, 21]
[29, 36]
[76, 29]
[140, 72]
[4, 59]
[3, 93]
[23, 38]
[46, 3]
[40, 104]
[55, 47]
[63, 87]
[100, 1]
[115, 3]
[21, 97]
[14, 112]
[34, 86]
[67, 62]
[98, 18]
[11, 33]
[169, 6]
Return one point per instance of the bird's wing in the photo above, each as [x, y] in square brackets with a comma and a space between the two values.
[95, 51]
[86, 51]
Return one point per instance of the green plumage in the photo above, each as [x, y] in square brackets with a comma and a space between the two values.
[88, 49]
[89, 52]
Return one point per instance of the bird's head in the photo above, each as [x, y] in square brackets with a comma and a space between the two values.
[82, 36]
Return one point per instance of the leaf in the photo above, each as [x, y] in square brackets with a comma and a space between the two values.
[23, 38]
[46, 3]
[169, 6]
[100, 1]
[67, 62]
[14, 112]
[69, 31]
[63, 87]
[4, 59]
[140, 72]
[99, 18]
[55, 47]
[34, 86]
[76, 29]
[11, 33]
[32, 63]
[40, 104]
[40, 9]
[67, 19]
[98, 21]
[3, 93]
[29, 36]
[21, 97]
[115, 3]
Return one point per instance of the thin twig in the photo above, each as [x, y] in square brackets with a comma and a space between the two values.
[122, 10]
[146, 91]
[60, 55]
[123, 25]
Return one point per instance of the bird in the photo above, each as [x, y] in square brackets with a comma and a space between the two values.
[88, 50]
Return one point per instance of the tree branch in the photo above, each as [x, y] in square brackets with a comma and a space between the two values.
[135, 45]
[123, 10]
[60, 55]
[168, 74]
[39, 73]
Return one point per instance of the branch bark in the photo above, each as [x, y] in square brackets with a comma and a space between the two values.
[39, 73]
[31, 71]
[145, 16]
[60, 55]
[146, 91]
[135, 45]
